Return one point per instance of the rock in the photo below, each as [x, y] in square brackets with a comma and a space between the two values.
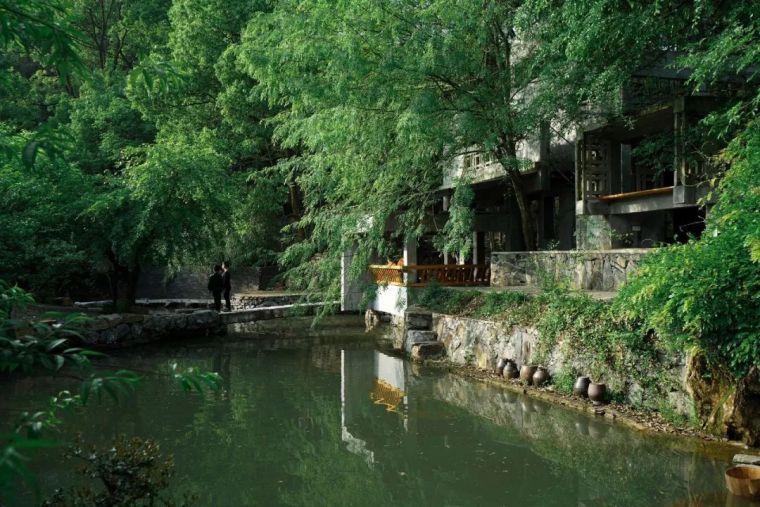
[121, 332]
[418, 319]
[743, 420]
[427, 350]
[416, 336]
[202, 319]
[371, 320]
[746, 459]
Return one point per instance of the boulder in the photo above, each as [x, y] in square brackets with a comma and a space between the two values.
[418, 319]
[428, 350]
[746, 459]
[415, 336]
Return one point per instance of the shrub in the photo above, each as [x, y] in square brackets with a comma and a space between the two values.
[706, 293]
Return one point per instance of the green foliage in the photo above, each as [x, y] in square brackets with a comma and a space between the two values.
[131, 471]
[42, 345]
[493, 304]
[456, 236]
[194, 379]
[564, 380]
[705, 293]
[437, 298]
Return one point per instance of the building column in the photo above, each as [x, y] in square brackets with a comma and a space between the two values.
[350, 289]
[478, 247]
[410, 259]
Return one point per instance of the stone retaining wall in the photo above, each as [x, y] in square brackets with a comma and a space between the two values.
[670, 381]
[597, 270]
[481, 343]
[239, 302]
[126, 330]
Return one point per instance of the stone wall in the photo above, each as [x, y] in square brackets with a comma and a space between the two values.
[481, 343]
[188, 284]
[126, 330]
[598, 270]
[239, 302]
[670, 381]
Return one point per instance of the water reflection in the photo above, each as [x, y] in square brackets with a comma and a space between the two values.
[343, 423]
[541, 454]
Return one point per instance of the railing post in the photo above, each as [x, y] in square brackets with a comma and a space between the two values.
[410, 259]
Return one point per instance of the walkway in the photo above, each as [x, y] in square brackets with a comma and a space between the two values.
[271, 312]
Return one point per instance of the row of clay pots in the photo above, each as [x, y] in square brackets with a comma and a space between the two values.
[585, 388]
[538, 375]
[529, 374]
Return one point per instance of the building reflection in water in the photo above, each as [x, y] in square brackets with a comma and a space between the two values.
[369, 379]
[476, 440]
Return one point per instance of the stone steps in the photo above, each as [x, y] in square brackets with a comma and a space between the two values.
[420, 341]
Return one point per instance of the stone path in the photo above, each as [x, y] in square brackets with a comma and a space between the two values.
[270, 312]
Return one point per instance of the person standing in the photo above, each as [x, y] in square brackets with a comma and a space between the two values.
[216, 285]
[227, 284]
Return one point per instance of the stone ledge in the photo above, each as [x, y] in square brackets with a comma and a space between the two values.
[126, 330]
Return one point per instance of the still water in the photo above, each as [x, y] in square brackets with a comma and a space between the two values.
[330, 418]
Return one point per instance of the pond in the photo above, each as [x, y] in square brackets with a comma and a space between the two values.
[331, 418]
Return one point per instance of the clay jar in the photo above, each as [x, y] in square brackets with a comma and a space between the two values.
[500, 365]
[526, 373]
[510, 370]
[597, 392]
[580, 388]
[541, 376]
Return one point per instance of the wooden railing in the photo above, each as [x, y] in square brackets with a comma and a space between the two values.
[391, 275]
[421, 274]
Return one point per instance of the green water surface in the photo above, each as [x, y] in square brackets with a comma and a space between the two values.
[330, 418]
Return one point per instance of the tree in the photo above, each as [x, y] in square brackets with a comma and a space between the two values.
[401, 88]
[141, 129]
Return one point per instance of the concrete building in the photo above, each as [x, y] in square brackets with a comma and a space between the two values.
[638, 176]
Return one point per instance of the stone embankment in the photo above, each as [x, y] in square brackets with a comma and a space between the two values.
[167, 319]
[671, 383]
[239, 302]
[126, 330]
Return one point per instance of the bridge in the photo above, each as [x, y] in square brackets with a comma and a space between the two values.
[271, 312]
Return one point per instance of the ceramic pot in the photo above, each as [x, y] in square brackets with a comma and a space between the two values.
[597, 392]
[541, 376]
[526, 373]
[581, 386]
[500, 365]
[510, 370]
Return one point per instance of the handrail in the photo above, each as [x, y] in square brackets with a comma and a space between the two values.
[638, 193]
[418, 275]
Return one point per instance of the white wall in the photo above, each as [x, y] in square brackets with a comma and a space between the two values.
[391, 299]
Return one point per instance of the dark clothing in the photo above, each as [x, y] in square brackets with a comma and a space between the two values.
[227, 289]
[216, 285]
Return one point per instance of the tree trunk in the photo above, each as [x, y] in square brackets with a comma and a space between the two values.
[507, 154]
[527, 219]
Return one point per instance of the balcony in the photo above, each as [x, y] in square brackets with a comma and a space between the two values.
[448, 275]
